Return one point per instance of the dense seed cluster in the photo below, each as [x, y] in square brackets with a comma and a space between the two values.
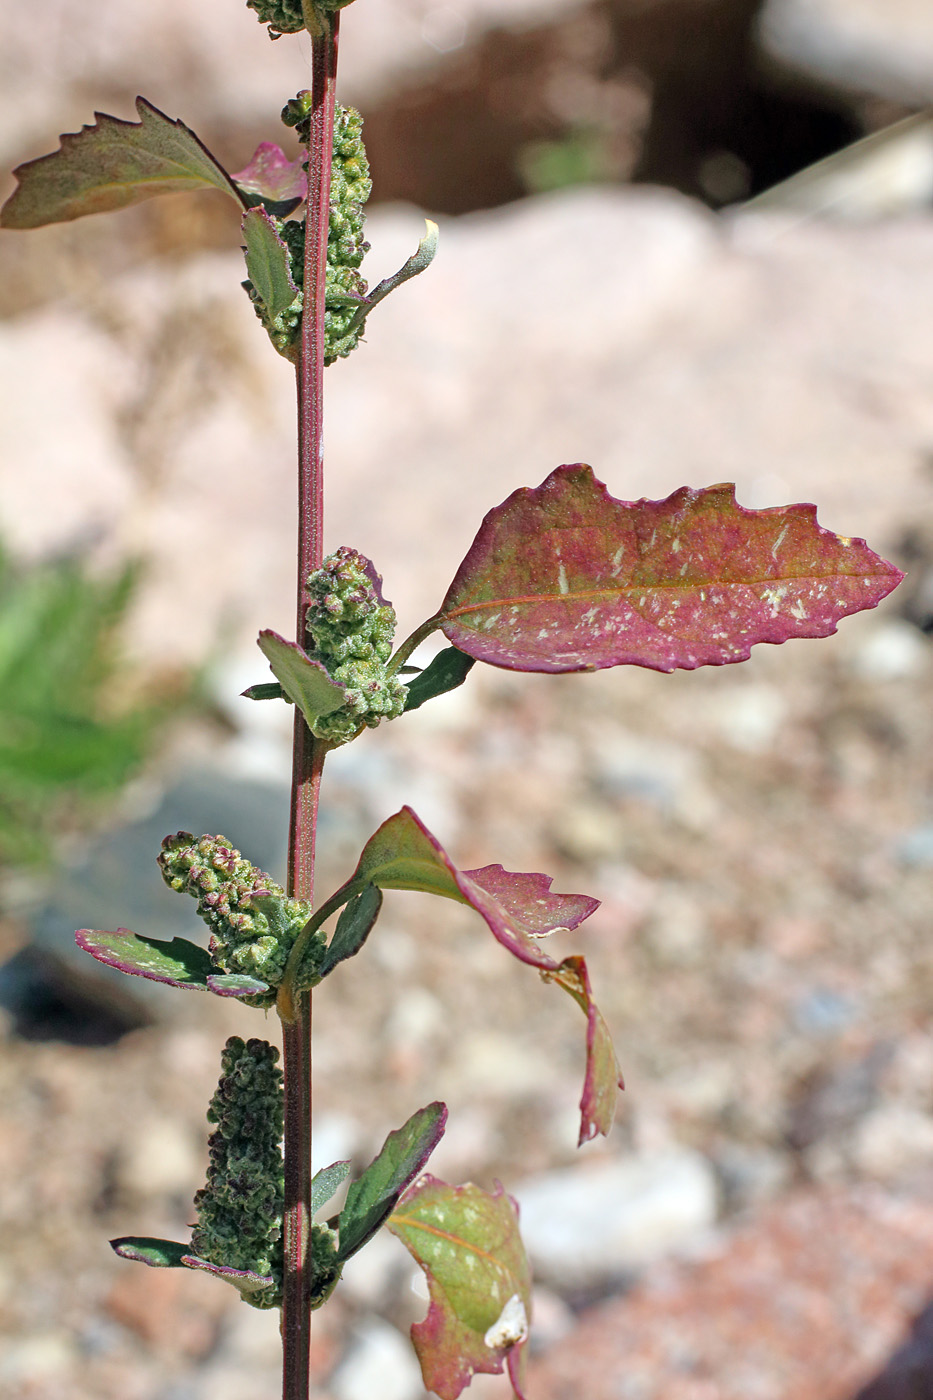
[346, 247]
[325, 1265]
[241, 1207]
[282, 16]
[287, 16]
[351, 634]
[253, 922]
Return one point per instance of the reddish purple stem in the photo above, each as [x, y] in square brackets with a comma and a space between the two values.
[308, 754]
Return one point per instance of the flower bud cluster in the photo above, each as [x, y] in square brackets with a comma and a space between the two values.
[282, 16]
[345, 288]
[253, 922]
[351, 630]
[241, 1207]
[350, 187]
[287, 16]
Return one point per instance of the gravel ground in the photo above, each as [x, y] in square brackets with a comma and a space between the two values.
[761, 840]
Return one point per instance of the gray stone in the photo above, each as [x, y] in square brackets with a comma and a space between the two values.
[596, 1223]
[380, 1362]
[53, 988]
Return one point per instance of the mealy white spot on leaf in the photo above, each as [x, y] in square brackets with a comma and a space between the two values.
[510, 1326]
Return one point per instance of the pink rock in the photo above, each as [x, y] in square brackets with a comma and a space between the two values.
[806, 1302]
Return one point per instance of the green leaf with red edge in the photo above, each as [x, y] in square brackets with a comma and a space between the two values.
[467, 1242]
[305, 682]
[564, 577]
[519, 909]
[178, 963]
[374, 1194]
[110, 165]
[271, 175]
[169, 1254]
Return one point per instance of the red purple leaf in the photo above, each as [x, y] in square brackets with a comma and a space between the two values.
[564, 577]
[468, 1244]
[603, 1076]
[110, 165]
[272, 176]
[519, 908]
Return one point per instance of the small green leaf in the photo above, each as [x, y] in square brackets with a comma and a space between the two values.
[353, 928]
[265, 690]
[179, 963]
[420, 259]
[468, 1244]
[304, 681]
[236, 984]
[111, 165]
[326, 1183]
[169, 1254]
[372, 1197]
[449, 669]
[267, 263]
[158, 1254]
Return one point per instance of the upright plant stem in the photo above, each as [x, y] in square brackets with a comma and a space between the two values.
[308, 754]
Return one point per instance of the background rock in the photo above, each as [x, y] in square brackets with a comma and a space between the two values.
[884, 47]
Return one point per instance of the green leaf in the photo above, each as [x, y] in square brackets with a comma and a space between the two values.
[179, 963]
[371, 1198]
[468, 1244]
[236, 984]
[158, 1254]
[168, 1254]
[353, 928]
[449, 669]
[305, 682]
[265, 690]
[267, 263]
[326, 1183]
[111, 165]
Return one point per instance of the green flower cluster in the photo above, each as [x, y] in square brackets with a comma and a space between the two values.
[253, 922]
[287, 16]
[240, 1209]
[351, 631]
[350, 187]
[325, 1264]
[345, 288]
[282, 16]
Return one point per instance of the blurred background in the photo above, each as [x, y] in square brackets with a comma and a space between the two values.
[687, 241]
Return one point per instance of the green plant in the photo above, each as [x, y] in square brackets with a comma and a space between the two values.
[64, 745]
[561, 577]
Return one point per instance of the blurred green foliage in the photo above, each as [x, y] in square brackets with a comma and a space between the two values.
[64, 744]
[579, 158]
